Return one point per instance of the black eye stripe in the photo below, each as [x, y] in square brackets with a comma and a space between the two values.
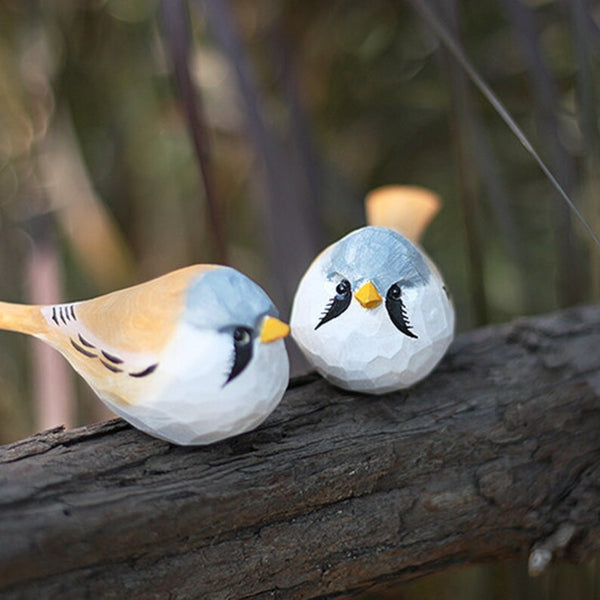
[242, 351]
[338, 304]
[397, 311]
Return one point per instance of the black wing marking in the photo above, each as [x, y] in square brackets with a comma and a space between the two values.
[62, 314]
[112, 358]
[111, 367]
[109, 361]
[85, 342]
[82, 350]
[145, 372]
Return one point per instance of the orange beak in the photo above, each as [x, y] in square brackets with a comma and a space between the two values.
[368, 296]
[273, 329]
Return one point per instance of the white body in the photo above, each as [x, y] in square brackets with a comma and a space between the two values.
[361, 349]
[190, 403]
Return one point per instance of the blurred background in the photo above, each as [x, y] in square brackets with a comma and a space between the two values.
[138, 136]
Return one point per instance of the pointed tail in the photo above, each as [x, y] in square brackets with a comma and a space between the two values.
[23, 318]
[404, 208]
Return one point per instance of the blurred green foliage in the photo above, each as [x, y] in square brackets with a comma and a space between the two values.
[352, 95]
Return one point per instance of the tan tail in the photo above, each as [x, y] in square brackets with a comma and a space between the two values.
[23, 318]
[404, 208]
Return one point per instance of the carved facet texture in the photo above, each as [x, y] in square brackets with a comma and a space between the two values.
[197, 407]
[182, 357]
[362, 349]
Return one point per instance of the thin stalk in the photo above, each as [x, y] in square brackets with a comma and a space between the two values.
[446, 38]
[177, 34]
[284, 218]
[588, 120]
[569, 280]
[499, 202]
[462, 135]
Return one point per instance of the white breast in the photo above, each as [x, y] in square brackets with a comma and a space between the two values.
[198, 406]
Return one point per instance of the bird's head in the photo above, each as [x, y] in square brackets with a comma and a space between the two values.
[372, 266]
[226, 303]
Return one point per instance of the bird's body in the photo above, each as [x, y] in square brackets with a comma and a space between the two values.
[192, 357]
[371, 313]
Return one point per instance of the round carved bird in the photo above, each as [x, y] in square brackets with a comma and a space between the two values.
[372, 313]
[191, 357]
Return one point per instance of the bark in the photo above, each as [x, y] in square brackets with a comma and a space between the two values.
[495, 454]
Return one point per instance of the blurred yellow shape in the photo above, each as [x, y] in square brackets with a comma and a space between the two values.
[405, 208]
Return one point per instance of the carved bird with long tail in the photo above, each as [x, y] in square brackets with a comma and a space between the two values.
[191, 357]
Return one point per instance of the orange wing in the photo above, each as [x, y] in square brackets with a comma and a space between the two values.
[140, 318]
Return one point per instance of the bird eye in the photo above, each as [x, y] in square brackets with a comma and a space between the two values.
[338, 304]
[242, 351]
[397, 311]
[343, 287]
[395, 292]
[241, 336]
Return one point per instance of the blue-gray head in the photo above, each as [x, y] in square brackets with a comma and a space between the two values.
[223, 298]
[380, 255]
[373, 264]
[226, 301]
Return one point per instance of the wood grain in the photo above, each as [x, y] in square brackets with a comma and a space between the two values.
[337, 492]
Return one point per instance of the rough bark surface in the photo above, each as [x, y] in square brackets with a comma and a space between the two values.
[335, 493]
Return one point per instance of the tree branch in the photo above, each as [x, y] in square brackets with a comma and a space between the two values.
[496, 453]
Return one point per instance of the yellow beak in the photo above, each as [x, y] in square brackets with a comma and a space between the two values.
[273, 329]
[368, 296]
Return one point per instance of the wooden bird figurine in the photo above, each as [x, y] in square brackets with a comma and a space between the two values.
[191, 357]
[372, 313]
